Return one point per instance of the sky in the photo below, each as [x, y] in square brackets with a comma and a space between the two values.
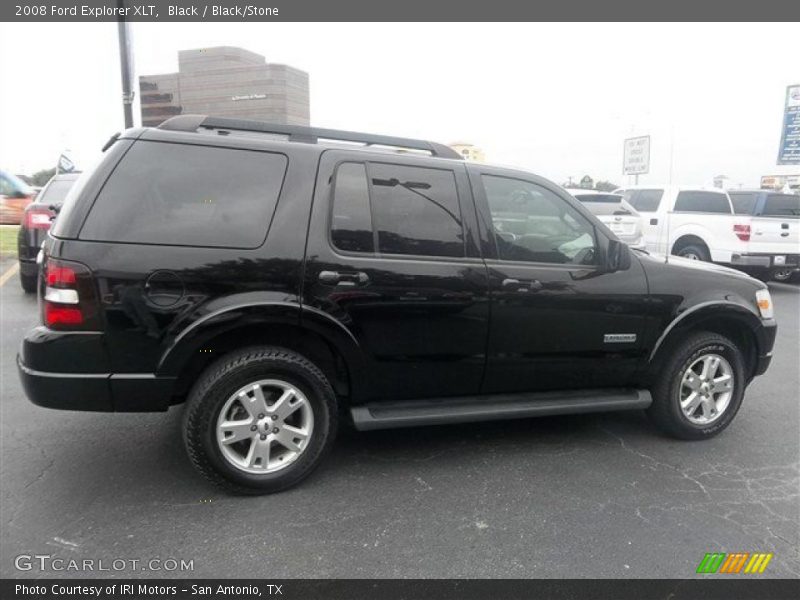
[555, 99]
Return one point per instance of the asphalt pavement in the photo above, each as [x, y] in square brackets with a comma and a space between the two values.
[580, 496]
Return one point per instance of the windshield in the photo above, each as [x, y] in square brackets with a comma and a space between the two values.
[11, 184]
[744, 203]
[56, 191]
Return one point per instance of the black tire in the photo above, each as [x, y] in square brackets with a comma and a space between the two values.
[694, 250]
[665, 411]
[233, 371]
[785, 275]
[28, 283]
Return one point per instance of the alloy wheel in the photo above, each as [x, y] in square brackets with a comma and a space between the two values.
[706, 389]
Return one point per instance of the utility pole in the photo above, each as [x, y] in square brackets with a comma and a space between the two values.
[126, 67]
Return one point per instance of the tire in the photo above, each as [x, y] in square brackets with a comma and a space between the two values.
[785, 275]
[276, 370]
[28, 283]
[694, 252]
[666, 411]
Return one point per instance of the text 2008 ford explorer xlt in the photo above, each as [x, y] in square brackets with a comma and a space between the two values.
[278, 280]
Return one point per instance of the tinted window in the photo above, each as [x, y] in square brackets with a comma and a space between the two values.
[351, 221]
[415, 210]
[608, 198]
[644, 200]
[707, 202]
[188, 195]
[782, 205]
[531, 223]
[744, 203]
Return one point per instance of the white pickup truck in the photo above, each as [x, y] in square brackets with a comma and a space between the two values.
[701, 224]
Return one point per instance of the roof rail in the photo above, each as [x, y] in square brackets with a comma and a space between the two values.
[310, 135]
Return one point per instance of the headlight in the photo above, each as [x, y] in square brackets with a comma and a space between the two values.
[764, 303]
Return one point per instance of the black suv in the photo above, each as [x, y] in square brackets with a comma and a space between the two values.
[281, 279]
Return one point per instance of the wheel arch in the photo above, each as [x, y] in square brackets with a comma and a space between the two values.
[687, 239]
[314, 334]
[728, 319]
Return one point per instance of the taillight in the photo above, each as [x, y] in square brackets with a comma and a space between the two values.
[38, 218]
[742, 232]
[69, 301]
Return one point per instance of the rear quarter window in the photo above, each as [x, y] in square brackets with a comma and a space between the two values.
[644, 200]
[705, 202]
[781, 205]
[744, 203]
[186, 195]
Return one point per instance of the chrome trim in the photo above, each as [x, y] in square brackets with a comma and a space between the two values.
[35, 373]
[684, 314]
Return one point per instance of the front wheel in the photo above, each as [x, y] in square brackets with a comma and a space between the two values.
[700, 387]
[259, 420]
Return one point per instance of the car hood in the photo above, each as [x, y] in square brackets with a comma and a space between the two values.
[686, 263]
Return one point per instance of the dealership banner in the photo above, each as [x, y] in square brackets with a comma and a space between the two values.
[737, 588]
[405, 10]
[789, 153]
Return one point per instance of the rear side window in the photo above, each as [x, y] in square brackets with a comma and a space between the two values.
[351, 222]
[782, 205]
[705, 202]
[744, 203]
[175, 194]
[416, 210]
[644, 200]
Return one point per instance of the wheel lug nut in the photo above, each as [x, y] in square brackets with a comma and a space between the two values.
[274, 417]
[275, 430]
[263, 436]
[253, 428]
[261, 416]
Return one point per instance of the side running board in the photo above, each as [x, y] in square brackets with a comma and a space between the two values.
[413, 413]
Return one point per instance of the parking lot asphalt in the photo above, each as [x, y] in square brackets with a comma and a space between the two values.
[580, 496]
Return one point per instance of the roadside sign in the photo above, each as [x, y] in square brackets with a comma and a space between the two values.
[636, 157]
[789, 151]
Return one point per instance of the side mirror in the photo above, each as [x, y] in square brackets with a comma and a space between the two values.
[618, 256]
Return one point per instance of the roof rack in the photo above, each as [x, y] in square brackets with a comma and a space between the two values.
[309, 135]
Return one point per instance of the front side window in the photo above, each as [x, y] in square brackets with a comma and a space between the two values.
[533, 224]
[705, 202]
[416, 210]
[180, 194]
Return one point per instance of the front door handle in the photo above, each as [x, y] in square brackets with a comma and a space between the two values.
[531, 285]
[343, 278]
[653, 221]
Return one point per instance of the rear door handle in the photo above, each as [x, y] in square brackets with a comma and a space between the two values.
[342, 278]
[653, 221]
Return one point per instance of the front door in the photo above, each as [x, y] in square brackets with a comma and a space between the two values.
[392, 256]
[559, 319]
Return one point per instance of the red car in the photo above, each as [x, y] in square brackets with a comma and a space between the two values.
[15, 195]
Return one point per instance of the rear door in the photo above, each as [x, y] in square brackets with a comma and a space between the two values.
[775, 227]
[647, 203]
[392, 256]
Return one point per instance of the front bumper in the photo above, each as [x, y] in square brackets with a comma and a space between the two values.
[765, 336]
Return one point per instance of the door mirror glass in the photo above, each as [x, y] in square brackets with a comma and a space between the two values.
[618, 257]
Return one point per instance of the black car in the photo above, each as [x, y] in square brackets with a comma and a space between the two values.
[35, 224]
[280, 279]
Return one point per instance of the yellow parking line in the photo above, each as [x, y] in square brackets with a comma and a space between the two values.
[12, 270]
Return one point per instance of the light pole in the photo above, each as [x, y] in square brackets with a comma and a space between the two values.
[126, 67]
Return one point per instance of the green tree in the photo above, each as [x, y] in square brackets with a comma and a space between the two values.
[605, 186]
[41, 177]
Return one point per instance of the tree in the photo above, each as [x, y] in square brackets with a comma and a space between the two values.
[41, 177]
[605, 186]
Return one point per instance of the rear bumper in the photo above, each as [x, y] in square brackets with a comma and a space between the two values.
[767, 261]
[51, 363]
[100, 392]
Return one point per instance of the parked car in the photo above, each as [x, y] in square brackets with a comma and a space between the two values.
[15, 195]
[775, 223]
[278, 280]
[35, 224]
[700, 224]
[619, 216]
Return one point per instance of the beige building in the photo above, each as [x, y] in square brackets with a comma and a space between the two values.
[469, 151]
[226, 82]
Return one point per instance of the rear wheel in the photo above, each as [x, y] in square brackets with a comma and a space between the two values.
[28, 283]
[785, 275]
[700, 387]
[694, 252]
[260, 420]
